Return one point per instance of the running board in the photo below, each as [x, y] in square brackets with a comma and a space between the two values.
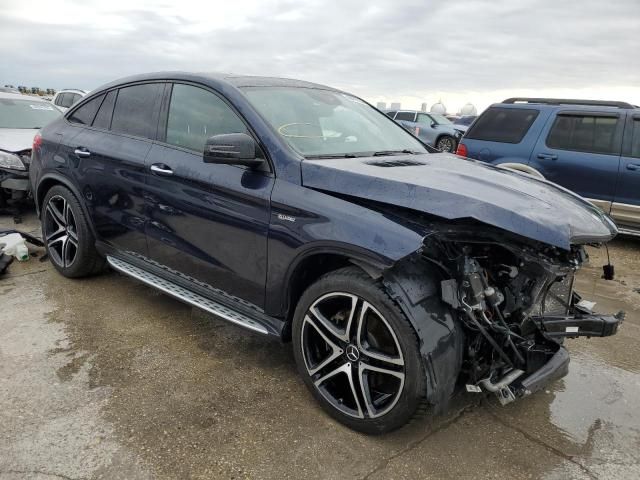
[186, 296]
[628, 231]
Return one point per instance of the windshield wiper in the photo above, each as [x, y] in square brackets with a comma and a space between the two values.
[383, 153]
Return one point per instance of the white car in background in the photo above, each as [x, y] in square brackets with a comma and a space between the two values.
[65, 98]
[21, 116]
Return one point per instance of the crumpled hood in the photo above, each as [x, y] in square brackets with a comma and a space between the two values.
[454, 188]
[16, 139]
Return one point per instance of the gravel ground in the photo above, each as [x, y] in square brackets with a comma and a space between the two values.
[107, 378]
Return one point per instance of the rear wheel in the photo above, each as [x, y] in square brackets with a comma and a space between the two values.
[68, 239]
[358, 353]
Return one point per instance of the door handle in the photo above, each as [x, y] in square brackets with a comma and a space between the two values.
[547, 156]
[633, 166]
[161, 169]
[82, 152]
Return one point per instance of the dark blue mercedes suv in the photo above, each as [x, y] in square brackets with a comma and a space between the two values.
[400, 274]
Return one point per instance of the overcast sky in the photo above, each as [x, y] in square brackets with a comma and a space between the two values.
[409, 51]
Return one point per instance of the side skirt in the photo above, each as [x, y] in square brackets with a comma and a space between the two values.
[210, 301]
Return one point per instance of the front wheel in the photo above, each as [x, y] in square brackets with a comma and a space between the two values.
[446, 143]
[358, 353]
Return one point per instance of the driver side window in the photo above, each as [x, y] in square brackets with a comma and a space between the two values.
[196, 114]
[424, 119]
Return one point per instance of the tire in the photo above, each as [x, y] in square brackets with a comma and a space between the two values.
[379, 401]
[68, 239]
[446, 143]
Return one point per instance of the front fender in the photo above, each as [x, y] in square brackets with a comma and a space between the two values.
[415, 285]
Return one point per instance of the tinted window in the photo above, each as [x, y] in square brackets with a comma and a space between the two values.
[583, 133]
[67, 100]
[59, 99]
[85, 113]
[134, 110]
[408, 116]
[195, 115]
[391, 113]
[506, 125]
[635, 139]
[103, 118]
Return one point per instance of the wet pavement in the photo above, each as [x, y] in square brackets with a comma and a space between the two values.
[106, 378]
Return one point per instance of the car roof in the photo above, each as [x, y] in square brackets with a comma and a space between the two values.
[573, 104]
[217, 79]
[72, 90]
[19, 96]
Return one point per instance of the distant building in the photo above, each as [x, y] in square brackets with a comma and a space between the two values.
[423, 107]
[439, 108]
[381, 105]
[469, 109]
[395, 106]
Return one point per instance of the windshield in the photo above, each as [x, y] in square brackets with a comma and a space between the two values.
[323, 123]
[26, 113]
[440, 119]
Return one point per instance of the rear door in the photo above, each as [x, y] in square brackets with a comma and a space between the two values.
[580, 150]
[207, 221]
[110, 153]
[626, 203]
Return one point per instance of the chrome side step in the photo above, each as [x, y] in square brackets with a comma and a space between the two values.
[628, 231]
[185, 295]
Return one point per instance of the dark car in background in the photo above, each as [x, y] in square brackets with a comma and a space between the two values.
[464, 122]
[590, 147]
[432, 128]
[302, 213]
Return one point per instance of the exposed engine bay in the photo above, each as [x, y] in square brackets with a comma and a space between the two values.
[516, 304]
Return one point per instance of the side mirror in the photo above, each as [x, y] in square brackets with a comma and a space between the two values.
[231, 149]
[434, 124]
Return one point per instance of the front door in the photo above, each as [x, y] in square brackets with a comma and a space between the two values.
[581, 151]
[209, 222]
[626, 204]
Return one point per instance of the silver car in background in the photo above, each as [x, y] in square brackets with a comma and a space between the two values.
[65, 98]
[21, 116]
[432, 128]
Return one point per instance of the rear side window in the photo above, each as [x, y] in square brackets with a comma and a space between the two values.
[407, 116]
[505, 125]
[85, 113]
[103, 117]
[66, 100]
[59, 99]
[134, 110]
[635, 139]
[391, 113]
[583, 133]
[196, 114]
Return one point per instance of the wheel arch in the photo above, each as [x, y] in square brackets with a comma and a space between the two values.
[50, 180]
[314, 262]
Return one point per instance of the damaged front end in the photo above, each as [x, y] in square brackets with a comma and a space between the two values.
[516, 304]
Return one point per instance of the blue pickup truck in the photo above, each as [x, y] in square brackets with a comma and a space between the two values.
[589, 147]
